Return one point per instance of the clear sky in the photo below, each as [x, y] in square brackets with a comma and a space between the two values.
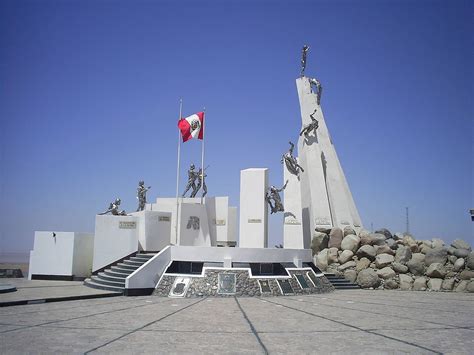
[89, 94]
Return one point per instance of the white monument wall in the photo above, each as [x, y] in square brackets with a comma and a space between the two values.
[293, 237]
[154, 230]
[188, 234]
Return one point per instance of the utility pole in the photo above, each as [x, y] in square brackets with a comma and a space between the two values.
[407, 222]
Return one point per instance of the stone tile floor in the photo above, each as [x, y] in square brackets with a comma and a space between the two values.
[352, 321]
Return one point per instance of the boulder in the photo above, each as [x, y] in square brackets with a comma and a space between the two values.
[451, 250]
[448, 284]
[345, 256]
[385, 232]
[399, 268]
[461, 253]
[416, 264]
[452, 259]
[391, 284]
[405, 282]
[383, 260]
[392, 244]
[403, 254]
[459, 264]
[470, 261]
[366, 251]
[408, 240]
[436, 270]
[368, 278]
[335, 238]
[398, 236]
[351, 242]
[425, 246]
[348, 230]
[362, 264]
[386, 273]
[436, 255]
[350, 275]
[420, 283]
[466, 275]
[319, 242]
[323, 230]
[435, 284]
[377, 238]
[321, 259]
[460, 244]
[332, 256]
[383, 249]
[437, 243]
[470, 286]
[461, 287]
[347, 265]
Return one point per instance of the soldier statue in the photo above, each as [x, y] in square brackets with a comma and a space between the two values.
[319, 88]
[141, 195]
[291, 162]
[192, 176]
[303, 59]
[114, 208]
[313, 126]
[201, 183]
[273, 194]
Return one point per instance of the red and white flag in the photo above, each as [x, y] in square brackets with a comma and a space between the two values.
[192, 126]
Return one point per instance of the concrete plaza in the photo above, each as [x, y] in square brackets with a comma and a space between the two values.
[352, 321]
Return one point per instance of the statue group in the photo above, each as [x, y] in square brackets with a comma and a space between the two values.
[196, 181]
[114, 207]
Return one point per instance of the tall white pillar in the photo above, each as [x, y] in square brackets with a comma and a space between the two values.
[253, 208]
[293, 237]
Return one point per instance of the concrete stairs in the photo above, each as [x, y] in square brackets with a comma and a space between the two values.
[113, 278]
[340, 283]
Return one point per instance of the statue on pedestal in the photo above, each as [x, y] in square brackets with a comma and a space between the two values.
[291, 162]
[319, 88]
[273, 195]
[114, 208]
[192, 176]
[141, 195]
[201, 183]
[303, 59]
[313, 126]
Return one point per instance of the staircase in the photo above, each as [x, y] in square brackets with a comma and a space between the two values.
[340, 283]
[113, 278]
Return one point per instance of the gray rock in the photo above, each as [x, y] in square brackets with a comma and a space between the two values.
[448, 284]
[435, 284]
[385, 232]
[397, 236]
[436, 255]
[425, 246]
[403, 254]
[460, 244]
[420, 283]
[466, 275]
[383, 260]
[461, 287]
[436, 270]
[332, 256]
[459, 264]
[347, 265]
[351, 242]
[452, 259]
[405, 282]
[391, 284]
[386, 273]
[377, 238]
[416, 264]
[391, 244]
[335, 238]
[437, 243]
[408, 240]
[321, 259]
[350, 275]
[368, 278]
[451, 250]
[348, 230]
[383, 249]
[399, 268]
[470, 261]
[366, 251]
[470, 286]
[461, 253]
[319, 242]
[345, 256]
[362, 264]
[323, 230]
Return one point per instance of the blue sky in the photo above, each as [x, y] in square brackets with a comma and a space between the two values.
[89, 94]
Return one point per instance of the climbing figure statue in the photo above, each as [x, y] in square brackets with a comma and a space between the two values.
[274, 200]
[291, 162]
[319, 88]
[303, 59]
[313, 126]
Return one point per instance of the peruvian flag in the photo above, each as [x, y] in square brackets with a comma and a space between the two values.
[192, 126]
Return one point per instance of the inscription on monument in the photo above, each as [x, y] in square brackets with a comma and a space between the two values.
[219, 222]
[127, 225]
[285, 286]
[292, 221]
[325, 221]
[264, 286]
[254, 220]
[302, 281]
[226, 283]
[164, 219]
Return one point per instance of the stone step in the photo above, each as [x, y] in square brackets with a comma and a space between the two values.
[99, 280]
[93, 284]
[347, 287]
[133, 263]
[115, 273]
[139, 259]
[146, 255]
[128, 267]
[105, 276]
[122, 270]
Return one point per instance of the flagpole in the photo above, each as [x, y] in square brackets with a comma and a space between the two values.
[202, 154]
[177, 172]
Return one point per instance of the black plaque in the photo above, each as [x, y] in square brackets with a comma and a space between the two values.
[302, 281]
[226, 283]
[179, 289]
[265, 286]
[285, 286]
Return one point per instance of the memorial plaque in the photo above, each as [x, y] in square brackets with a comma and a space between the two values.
[164, 219]
[324, 221]
[254, 220]
[264, 286]
[127, 225]
[302, 281]
[285, 286]
[180, 286]
[219, 222]
[292, 221]
[226, 283]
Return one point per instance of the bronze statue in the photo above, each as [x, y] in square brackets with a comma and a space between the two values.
[291, 162]
[313, 126]
[114, 208]
[201, 183]
[273, 194]
[319, 88]
[192, 176]
[141, 195]
[303, 59]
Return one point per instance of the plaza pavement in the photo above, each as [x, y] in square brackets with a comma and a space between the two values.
[349, 321]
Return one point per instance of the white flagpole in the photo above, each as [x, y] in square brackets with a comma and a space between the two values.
[177, 172]
[202, 154]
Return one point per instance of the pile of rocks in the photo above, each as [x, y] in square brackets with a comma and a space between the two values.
[385, 261]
